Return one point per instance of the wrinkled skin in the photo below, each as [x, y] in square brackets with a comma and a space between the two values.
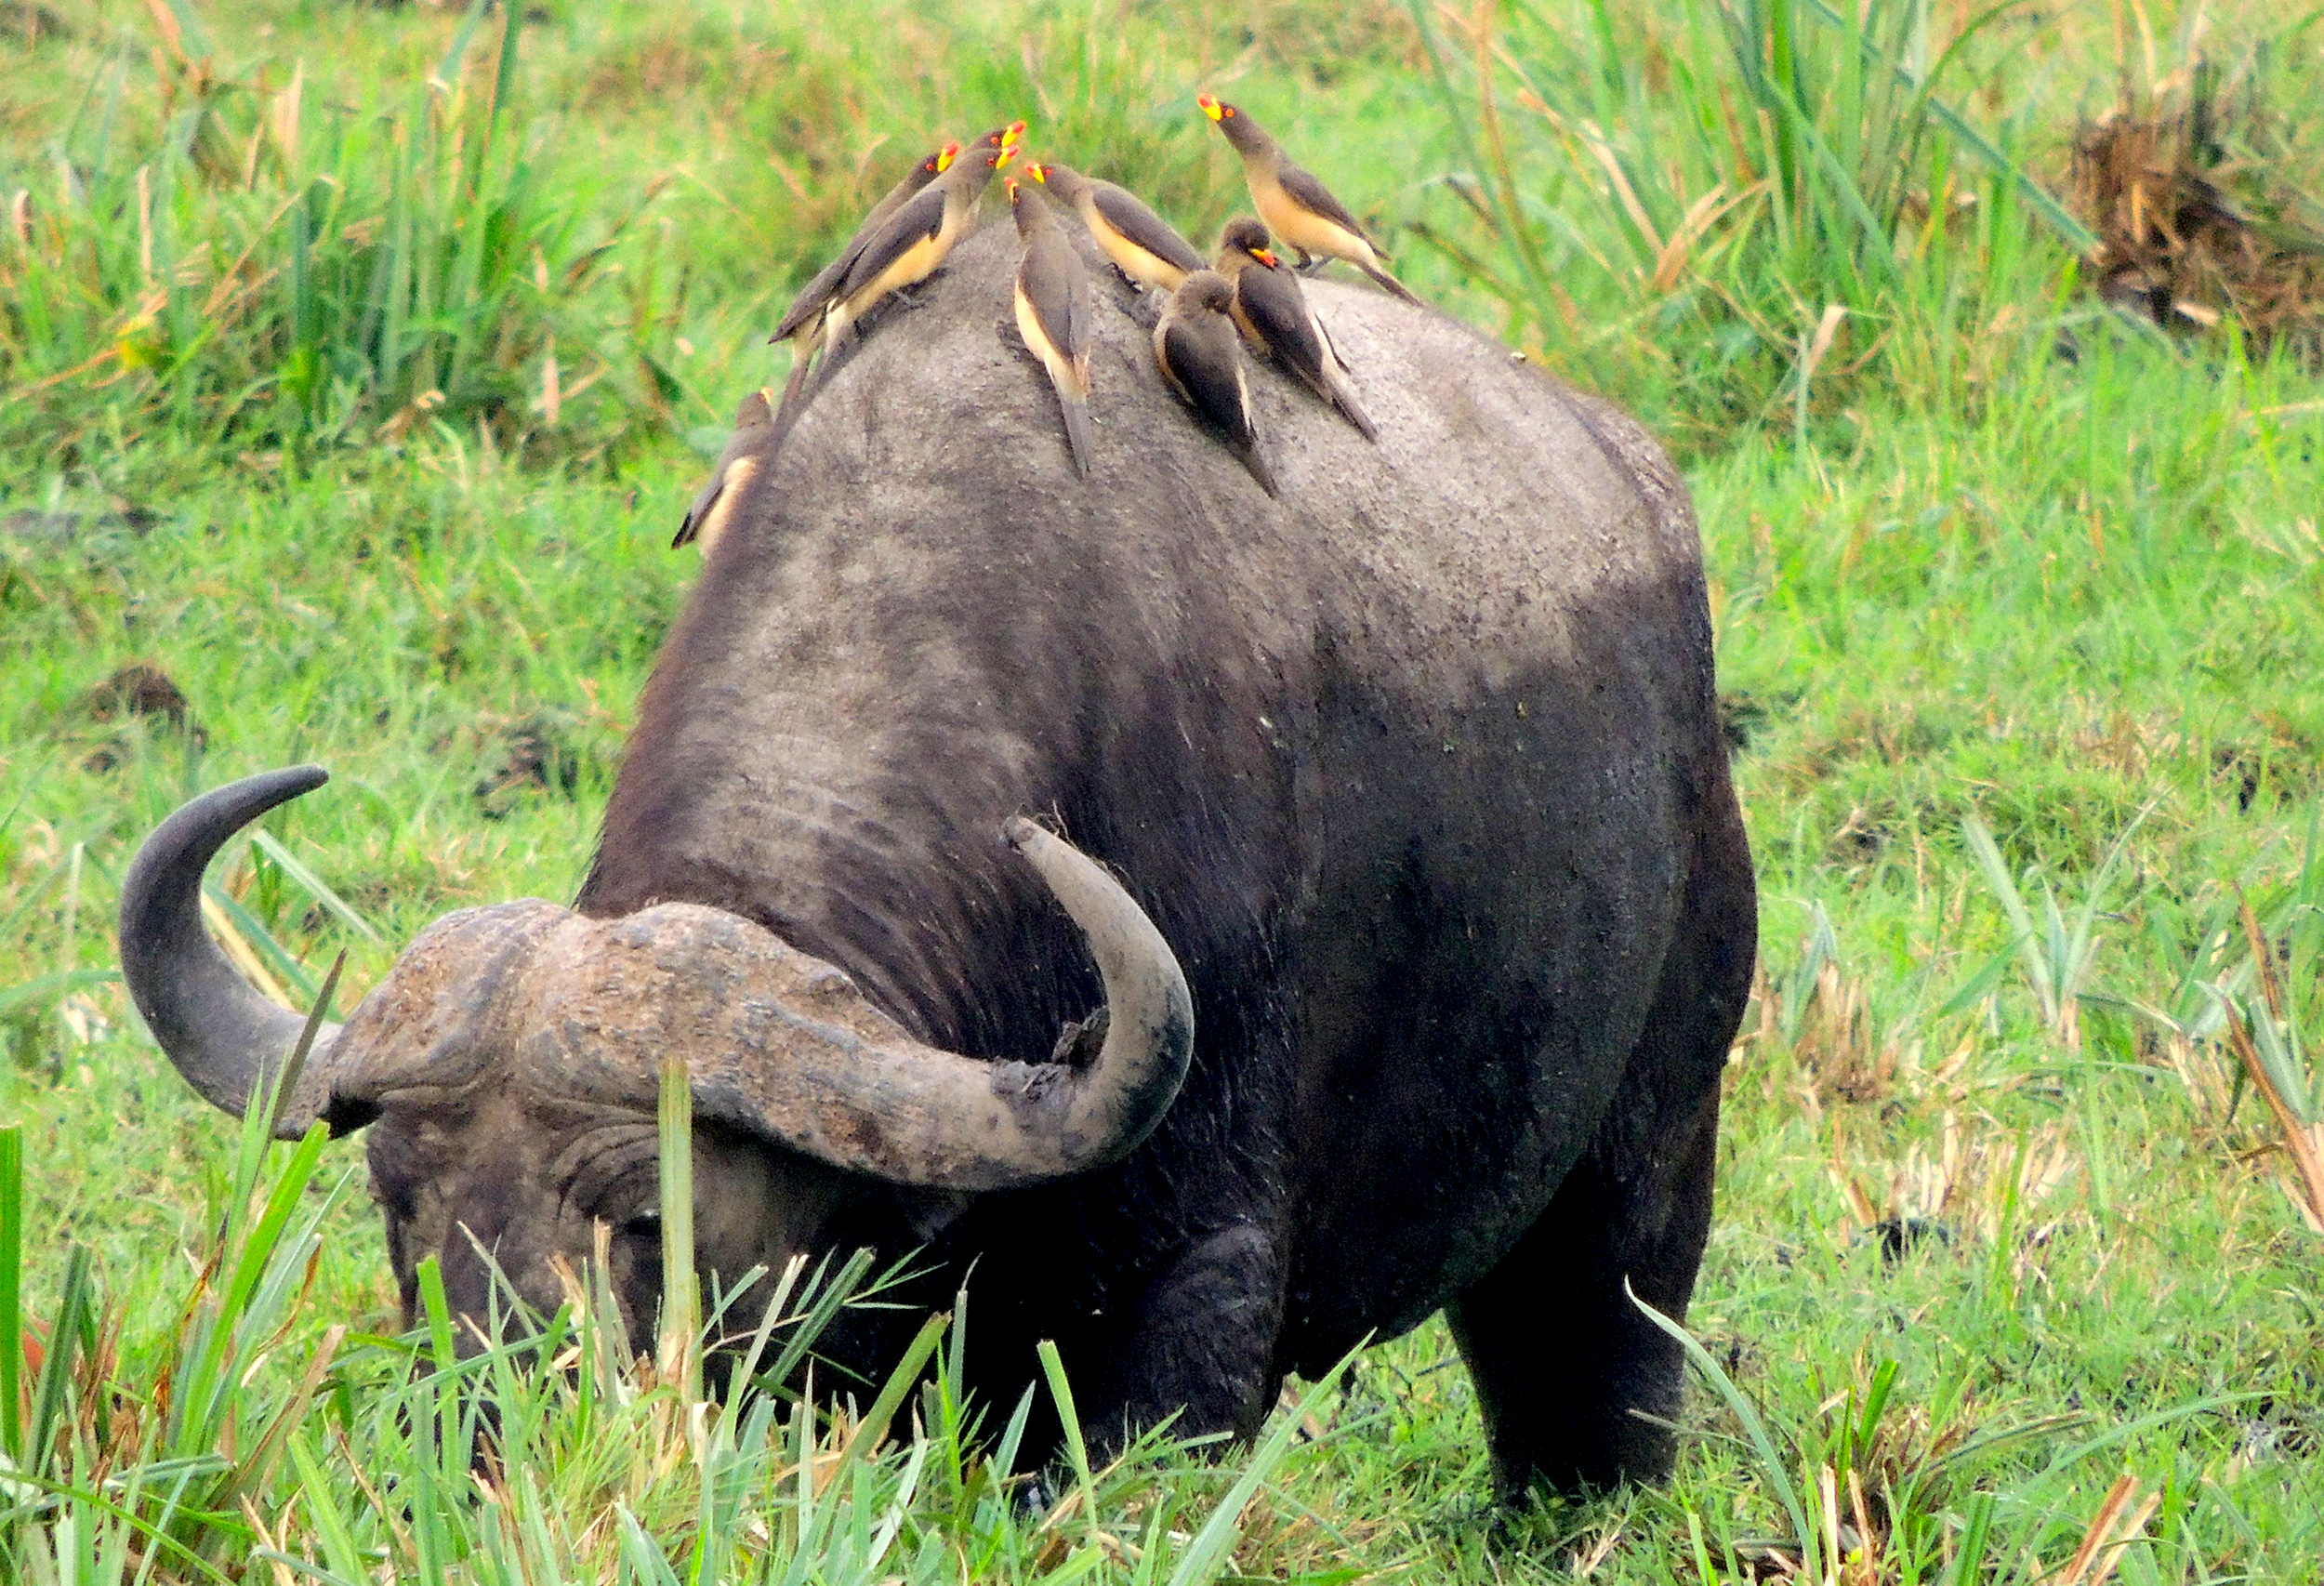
[1417, 771]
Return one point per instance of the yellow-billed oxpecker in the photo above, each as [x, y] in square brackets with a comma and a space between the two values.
[914, 241]
[802, 323]
[1142, 245]
[1053, 312]
[1201, 355]
[1275, 318]
[1294, 205]
[714, 503]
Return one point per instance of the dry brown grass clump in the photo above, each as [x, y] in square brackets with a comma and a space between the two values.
[2199, 218]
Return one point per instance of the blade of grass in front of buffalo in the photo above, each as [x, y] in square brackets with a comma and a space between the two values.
[1212, 1544]
[1076, 1450]
[1779, 1476]
[438, 1314]
[1013, 1436]
[294, 1067]
[11, 1279]
[873, 1426]
[73, 1322]
[830, 1291]
[680, 1343]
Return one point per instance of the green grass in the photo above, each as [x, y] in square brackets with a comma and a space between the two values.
[2009, 564]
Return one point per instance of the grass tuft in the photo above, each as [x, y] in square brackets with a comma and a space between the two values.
[270, 273]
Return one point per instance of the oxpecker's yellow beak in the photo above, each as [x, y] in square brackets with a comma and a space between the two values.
[1210, 105]
[944, 157]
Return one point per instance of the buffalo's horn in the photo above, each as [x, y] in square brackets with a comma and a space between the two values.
[222, 1034]
[788, 1047]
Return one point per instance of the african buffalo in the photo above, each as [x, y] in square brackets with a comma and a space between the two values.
[1415, 772]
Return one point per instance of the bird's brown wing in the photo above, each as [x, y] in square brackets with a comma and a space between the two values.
[916, 220]
[1144, 227]
[1057, 288]
[1272, 300]
[826, 282]
[1206, 359]
[818, 291]
[1314, 197]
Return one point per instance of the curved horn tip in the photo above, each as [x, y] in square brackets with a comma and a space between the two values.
[218, 1032]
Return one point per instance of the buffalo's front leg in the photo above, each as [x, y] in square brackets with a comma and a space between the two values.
[1198, 1341]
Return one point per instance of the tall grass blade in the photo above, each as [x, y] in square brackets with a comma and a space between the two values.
[682, 1292]
[1771, 1463]
[295, 868]
[2004, 887]
[1211, 1547]
[11, 1293]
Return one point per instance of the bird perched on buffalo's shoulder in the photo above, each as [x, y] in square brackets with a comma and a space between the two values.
[802, 322]
[913, 242]
[1053, 312]
[1273, 316]
[1294, 205]
[714, 503]
[1142, 246]
[1201, 356]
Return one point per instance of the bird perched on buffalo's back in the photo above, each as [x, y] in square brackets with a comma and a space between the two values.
[802, 323]
[1201, 355]
[1273, 316]
[1142, 246]
[913, 242]
[1294, 205]
[1053, 312]
[714, 503]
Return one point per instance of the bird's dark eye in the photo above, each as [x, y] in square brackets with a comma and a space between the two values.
[645, 1225]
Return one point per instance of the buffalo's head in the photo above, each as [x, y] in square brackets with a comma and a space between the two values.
[507, 1067]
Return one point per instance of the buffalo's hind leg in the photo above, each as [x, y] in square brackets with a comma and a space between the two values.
[1559, 1355]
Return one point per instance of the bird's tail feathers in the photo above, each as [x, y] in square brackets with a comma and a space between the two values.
[1351, 410]
[1330, 383]
[1259, 469]
[1390, 283]
[1077, 431]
